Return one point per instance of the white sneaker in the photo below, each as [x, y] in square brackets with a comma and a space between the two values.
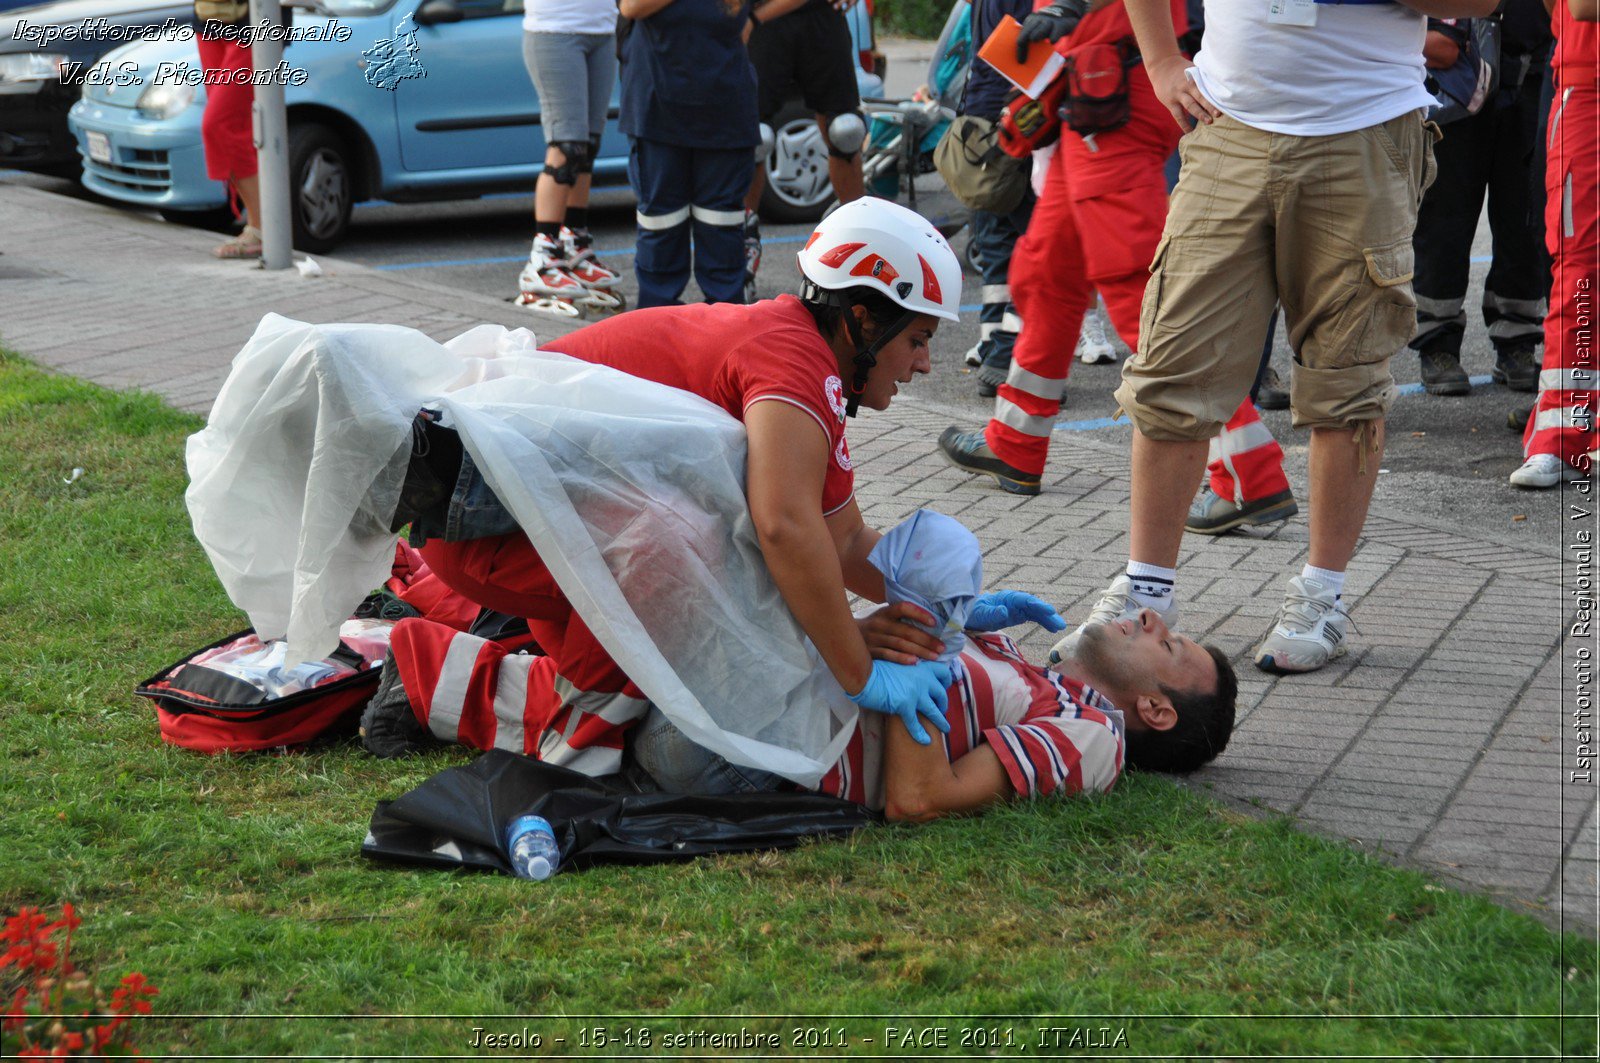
[1093, 343]
[1117, 603]
[1543, 470]
[1309, 632]
[974, 358]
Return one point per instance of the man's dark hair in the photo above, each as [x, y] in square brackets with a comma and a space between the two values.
[882, 311]
[1205, 721]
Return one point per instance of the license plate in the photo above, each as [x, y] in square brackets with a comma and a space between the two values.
[99, 147]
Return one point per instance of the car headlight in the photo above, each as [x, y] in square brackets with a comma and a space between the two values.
[28, 71]
[165, 99]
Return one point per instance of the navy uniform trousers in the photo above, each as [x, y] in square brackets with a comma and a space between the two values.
[691, 210]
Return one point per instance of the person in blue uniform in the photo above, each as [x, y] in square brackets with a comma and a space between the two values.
[689, 106]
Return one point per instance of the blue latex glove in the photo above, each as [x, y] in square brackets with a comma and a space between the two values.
[991, 612]
[904, 690]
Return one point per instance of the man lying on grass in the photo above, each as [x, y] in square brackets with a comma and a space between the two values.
[1131, 692]
[1127, 693]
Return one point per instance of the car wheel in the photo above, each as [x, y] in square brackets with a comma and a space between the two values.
[321, 187]
[798, 188]
[974, 257]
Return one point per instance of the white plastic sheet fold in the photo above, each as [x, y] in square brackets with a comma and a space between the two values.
[633, 494]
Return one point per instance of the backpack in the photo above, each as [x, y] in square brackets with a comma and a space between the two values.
[1461, 89]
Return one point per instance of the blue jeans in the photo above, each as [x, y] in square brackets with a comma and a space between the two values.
[661, 757]
[474, 511]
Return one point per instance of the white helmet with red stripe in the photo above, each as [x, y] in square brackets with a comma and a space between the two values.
[873, 243]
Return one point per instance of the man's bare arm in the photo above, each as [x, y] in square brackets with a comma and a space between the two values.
[1158, 44]
[1584, 10]
[921, 784]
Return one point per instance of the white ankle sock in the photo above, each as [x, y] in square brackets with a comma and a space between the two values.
[1152, 585]
[1334, 581]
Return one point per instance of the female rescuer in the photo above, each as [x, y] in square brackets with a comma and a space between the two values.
[878, 279]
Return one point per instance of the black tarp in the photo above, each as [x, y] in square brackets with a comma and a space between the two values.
[458, 818]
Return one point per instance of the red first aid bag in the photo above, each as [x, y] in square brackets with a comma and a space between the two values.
[234, 695]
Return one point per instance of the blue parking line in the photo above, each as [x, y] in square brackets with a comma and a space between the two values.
[1111, 422]
[1091, 425]
[442, 262]
[1416, 389]
[614, 252]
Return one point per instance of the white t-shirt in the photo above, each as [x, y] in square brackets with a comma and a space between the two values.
[1360, 65]
[570, 16]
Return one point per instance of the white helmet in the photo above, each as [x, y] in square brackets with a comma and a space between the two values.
[873, 243]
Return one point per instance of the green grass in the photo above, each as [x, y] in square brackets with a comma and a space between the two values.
[912, 18]
[236, 884]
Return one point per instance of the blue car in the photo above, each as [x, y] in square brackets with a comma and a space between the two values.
[402, 100]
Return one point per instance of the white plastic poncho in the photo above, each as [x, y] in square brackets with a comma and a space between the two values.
[632, 493]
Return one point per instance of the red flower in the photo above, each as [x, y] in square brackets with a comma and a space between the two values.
[47, 983]
[27, 925]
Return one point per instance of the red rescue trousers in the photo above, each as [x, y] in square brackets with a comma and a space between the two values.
[1095, 227]
[1563, 421]
[570, 707]
[1246, 463]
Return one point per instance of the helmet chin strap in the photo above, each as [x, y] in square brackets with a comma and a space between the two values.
[866, 355]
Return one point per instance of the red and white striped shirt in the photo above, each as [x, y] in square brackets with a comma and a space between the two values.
[1052, 734]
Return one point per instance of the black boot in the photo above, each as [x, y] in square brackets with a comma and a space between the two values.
[1442, 374]
[1272, 395]
[1517, 368]
[389, 728]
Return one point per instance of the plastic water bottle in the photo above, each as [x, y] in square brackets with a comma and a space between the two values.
[534, 852]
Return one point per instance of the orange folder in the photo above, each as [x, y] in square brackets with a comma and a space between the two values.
[1031, 76]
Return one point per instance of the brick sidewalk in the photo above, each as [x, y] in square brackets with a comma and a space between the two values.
[1440, 741]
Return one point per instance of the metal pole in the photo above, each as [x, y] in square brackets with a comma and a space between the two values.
[272, 141]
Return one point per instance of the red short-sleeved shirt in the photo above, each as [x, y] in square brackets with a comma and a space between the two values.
[732, 355]
[1052, 734]
[1577, 52]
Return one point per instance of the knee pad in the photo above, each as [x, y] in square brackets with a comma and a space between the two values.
[769, 140]
[578, 161]
[594, 153]
[845, 134]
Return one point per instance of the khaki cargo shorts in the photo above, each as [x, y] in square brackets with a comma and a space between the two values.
[1319, 225]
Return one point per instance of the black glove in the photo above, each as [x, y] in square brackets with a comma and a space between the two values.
[1050, 24]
